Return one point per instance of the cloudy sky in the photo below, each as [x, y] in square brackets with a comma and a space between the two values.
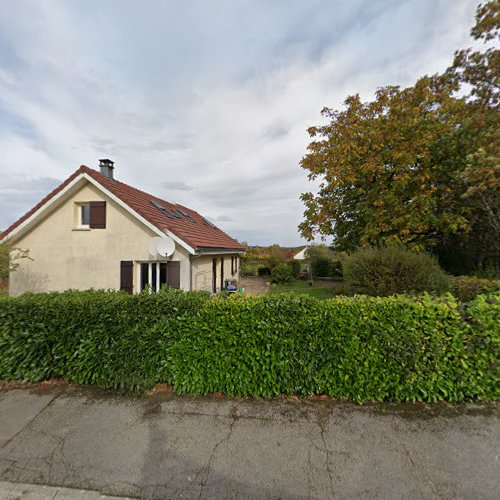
[204, 103]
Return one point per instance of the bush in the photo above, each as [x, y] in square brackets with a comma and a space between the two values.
[108, 338]
[325, 263]
[282, 274]
[336, 270]
[321, 266]
[360, 348]
[248, 268]
[264, 271]
[465, 288]
[295, 267]
[393, 269]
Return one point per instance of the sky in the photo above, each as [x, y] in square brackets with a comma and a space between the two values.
[204, 103]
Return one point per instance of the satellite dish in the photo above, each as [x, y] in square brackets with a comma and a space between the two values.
[161, 246]
[153, 246]
[165, 246]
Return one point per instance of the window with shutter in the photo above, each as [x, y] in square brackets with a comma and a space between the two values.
[97, 215]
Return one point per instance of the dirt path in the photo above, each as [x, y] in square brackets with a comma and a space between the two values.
[255, 285]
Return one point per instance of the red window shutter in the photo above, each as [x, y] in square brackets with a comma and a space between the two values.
[127, 276]
[98, 214]
[174, 274]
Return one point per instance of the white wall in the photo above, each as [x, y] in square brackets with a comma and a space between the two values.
[65, 257]
[202, 271]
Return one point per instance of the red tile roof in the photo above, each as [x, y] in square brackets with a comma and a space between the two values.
[198, 234]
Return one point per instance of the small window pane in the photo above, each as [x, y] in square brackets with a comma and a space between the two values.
[153, 277]
[144, 276]
[163, 273]
[85, 215]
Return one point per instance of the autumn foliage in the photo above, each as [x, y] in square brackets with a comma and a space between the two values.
[418, 166]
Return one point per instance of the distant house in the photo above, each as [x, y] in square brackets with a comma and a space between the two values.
[94, 231]
[301, 255]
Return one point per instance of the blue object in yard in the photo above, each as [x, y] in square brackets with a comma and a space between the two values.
[230, 286]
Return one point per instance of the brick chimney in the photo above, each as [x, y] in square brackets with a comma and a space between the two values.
[107, 168]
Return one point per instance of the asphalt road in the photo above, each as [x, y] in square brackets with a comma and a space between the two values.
[170, 447]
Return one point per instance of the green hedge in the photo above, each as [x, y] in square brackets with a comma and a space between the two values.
[108, 338]
[359, 348]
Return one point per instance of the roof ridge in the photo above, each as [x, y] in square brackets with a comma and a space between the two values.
[191, 231]
[94, 171]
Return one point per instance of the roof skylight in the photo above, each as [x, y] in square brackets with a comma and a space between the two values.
[208, 223]
[187, 216]
[163, 210]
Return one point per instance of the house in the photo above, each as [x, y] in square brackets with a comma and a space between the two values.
[94, 231]
[301, 255]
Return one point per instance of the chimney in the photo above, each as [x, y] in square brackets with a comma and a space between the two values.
[107, 168]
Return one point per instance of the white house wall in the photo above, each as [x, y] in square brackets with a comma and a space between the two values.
[65, 257]
[202, 271]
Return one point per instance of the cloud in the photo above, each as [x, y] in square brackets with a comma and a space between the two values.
[19, 193]
[225, 218]
[216, 99]
[176, 186]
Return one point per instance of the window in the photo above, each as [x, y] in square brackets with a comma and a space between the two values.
[234, 264]
[85, 215]
[156, 274]
[90, 215]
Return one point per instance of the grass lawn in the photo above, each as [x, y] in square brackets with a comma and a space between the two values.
[319, 289]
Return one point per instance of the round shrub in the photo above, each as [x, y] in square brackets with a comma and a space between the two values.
[282, 274]
[393, 269]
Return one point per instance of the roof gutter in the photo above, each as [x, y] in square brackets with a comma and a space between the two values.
[217, 251]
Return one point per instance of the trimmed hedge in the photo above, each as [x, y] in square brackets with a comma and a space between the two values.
[107, 338]
[359, 348]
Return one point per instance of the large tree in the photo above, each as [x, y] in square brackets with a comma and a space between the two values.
[418, 165]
